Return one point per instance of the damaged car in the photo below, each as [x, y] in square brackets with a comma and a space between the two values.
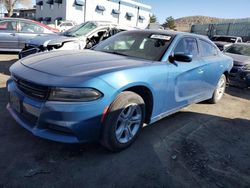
[224, 41]
[85, 35]
[110, 92]
[240, 73]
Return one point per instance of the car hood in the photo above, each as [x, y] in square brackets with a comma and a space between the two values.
[239, 59]
[50, 40]
[80, 63]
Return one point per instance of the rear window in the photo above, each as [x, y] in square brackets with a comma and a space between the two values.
[224, 39]
[239, 49]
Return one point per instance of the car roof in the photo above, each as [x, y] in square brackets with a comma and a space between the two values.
[229, 36]
[170, 32]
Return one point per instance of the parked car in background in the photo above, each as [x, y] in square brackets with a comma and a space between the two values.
[109, 92]
[14, 32]
[224, 41]
[85, 35]
[240, 73]
[66, 25]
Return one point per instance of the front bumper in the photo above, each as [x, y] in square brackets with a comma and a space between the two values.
[240, 78]
[58, 121]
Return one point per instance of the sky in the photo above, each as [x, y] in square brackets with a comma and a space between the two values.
[214, 8]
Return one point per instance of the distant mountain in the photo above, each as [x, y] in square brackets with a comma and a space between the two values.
[185, 23]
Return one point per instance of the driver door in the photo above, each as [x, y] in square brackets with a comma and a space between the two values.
[185, 78]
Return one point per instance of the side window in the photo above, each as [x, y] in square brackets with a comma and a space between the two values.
[69, 24]
[8, 25]
[208, 49]
[187, 45]
[26, 27]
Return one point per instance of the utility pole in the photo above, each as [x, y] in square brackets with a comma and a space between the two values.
[119, 9]
[138, 11]
[85, 9]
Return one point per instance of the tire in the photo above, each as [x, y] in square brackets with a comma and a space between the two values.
[219, 90]
[123, 121]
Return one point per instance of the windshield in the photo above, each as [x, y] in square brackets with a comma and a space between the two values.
[224, 39]
[142, 45]
[80, 30]
[239, 49]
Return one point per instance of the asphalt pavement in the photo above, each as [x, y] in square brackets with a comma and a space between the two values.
[203, 145]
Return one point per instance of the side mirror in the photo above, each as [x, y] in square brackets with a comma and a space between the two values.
[183, 57]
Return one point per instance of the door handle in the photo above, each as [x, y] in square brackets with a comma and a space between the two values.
[13, 34]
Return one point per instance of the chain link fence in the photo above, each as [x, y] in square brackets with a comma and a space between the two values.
[232, 28]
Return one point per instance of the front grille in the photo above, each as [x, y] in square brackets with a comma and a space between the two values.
[31, 89]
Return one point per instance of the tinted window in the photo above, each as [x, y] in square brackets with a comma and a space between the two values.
[136, 44]
[224, 39]
[8, 25]
[26, 27]
[239, 49]
[208, 49]
[188, 46]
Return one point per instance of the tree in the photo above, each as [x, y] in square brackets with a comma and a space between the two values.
[153, 19]
[169, 23]
[10, 4]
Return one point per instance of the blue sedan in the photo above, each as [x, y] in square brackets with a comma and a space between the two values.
[108, 93]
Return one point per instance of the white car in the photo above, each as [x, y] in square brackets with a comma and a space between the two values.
[65, 25]
[85, 35]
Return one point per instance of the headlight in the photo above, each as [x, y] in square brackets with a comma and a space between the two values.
[74, 94]
[246, 67]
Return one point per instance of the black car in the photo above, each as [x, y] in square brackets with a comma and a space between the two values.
[240, 73]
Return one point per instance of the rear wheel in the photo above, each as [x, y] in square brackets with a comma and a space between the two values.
[123, 121]
[219, 91]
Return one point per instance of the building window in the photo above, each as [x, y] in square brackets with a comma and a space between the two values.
[58, 1]
[51, 3]
[129, 16]
[100, 9]
[79, 2]
[40, 19]
[116, 11]
[47, 19]
[40, 4]
[141, 18]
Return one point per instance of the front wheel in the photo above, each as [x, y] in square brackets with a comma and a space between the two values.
[123, 121]
[219, 91]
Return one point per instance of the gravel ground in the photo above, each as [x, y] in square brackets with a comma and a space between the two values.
[200, 146]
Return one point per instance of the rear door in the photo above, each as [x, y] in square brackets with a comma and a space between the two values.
[213, 65]
[8, 35]
[27, 31]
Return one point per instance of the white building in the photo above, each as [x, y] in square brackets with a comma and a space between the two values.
[124, 12]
